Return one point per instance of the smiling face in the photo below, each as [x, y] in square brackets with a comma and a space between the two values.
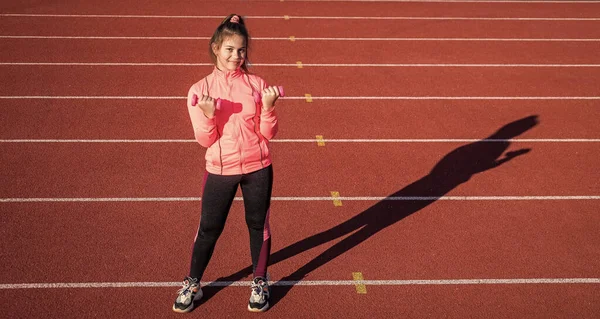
[231, 54]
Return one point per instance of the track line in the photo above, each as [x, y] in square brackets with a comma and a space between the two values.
[295, 65]
[459, 1]
[114, 97]
[439, 18]
[286, 17]
[314, 199]
[391, 140]
[524, 281]
[523, 140]
[303, 39]
[448, 97]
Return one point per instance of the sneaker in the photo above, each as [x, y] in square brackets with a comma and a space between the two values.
[189, 293]
[259, 298]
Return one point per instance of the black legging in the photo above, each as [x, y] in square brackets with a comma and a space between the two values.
[218, 194]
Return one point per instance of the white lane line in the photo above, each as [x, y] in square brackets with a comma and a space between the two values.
[306, 39]
[295, 65]
[112, 37]
[439, 140]
[443, 39]
[460, 1]
[448, 97]
[317, 198]
[98, 141]
[47, 97]
[389, 140]
[124, 64]
[133, 16]
[524, 281]
[82, 97]
[443, 18]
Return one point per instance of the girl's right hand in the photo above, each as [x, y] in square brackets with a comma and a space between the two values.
[270, 95]
[207, 105]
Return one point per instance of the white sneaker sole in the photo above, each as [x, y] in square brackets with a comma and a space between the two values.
[191, 306]
[264, 308]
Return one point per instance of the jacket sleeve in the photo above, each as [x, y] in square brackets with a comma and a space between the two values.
[268, 120]
[205, 129]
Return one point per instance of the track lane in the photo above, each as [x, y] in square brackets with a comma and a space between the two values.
[370, 169]
[429, 119]
[367, 8]
[151, 242]
[420, 81]
[195, 51]
[49, 26]
[451, 301]
[381, 169]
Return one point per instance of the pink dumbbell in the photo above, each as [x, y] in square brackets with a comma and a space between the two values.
[257, 97]
[195, 101]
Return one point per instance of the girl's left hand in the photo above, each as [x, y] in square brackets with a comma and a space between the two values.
[269, 96]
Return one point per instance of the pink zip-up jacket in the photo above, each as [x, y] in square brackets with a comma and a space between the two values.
[237, 137]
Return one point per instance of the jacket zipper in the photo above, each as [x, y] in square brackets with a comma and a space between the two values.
[256, 124]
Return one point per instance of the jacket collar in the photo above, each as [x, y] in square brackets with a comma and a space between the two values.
[227, 74]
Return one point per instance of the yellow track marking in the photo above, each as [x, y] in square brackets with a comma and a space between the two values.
[320, 140]
[360, 288]
[336, 201]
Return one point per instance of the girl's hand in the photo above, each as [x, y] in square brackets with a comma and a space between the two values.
[207, 105]
[269, 96]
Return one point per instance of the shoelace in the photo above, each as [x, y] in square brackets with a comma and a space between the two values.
[187, 284]
[257, 288]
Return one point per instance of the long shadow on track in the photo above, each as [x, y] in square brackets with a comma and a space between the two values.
[455, 168]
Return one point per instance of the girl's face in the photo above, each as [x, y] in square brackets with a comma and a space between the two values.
[231, 54]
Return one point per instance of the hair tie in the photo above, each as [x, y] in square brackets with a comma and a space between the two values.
[235, 19]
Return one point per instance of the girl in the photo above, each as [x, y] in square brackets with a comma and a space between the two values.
[236, 131]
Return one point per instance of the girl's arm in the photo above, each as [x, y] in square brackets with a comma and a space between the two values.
[205, 129]
[268, 123]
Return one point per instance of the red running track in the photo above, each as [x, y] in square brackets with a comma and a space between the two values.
[343, 81]
[194, 51]
[120, 239]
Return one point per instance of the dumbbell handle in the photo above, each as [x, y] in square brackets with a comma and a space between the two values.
[281, 91]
